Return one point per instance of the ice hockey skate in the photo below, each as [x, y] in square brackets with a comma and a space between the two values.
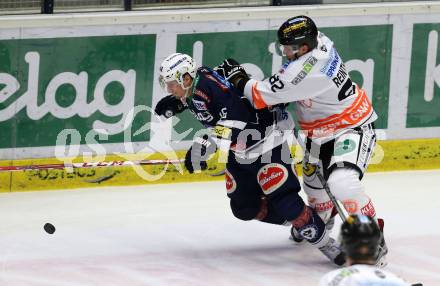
[381, 260]
[295, 236]
[333, 251]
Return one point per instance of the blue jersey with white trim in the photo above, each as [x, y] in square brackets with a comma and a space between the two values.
[219, 105]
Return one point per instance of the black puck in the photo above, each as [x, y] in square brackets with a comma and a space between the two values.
[49, 228]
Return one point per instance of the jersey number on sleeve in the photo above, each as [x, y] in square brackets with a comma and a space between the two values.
[275, 83]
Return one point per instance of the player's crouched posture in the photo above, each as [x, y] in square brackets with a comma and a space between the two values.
[361, 238]
[333, 112]
[260, 179]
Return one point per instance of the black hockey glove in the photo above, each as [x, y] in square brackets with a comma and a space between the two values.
[169, 106]
[228, 68]
[233, 72]
[195, 159]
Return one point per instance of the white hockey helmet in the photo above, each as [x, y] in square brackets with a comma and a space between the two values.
[174, 67]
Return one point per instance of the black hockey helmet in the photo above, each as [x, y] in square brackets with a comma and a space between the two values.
[297, 31]
[360, 237]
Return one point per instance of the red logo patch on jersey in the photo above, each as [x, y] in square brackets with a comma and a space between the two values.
[351, 206]
[325, 206]
[368, 210]
[231, 185]
[271, 177]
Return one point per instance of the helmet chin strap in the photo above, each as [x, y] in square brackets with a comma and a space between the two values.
[187, 89]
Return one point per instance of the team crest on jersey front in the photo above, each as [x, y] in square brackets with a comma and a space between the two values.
[271, 177]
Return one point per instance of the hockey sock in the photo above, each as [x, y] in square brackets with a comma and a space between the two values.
[310, 226]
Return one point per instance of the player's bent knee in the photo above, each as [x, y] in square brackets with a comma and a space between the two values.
[344, 183]
[244, 213]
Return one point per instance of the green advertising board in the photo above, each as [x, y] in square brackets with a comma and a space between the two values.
[424, 83]
[89, 83]
[82, 83]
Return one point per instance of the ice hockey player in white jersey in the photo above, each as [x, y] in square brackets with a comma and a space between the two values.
[334, 114]
[360, 239]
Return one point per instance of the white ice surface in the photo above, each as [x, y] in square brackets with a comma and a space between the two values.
[185, 234]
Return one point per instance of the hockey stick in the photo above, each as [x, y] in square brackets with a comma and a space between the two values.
[108, 174]
[88, 165]
[322, 180]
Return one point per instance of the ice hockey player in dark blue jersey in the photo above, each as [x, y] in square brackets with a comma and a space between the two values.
[260, 178]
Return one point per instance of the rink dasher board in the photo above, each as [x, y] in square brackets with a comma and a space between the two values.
[391, 155]
[173, 30]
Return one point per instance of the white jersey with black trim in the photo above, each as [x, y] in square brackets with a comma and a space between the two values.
[327, 102]
[361, 275]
